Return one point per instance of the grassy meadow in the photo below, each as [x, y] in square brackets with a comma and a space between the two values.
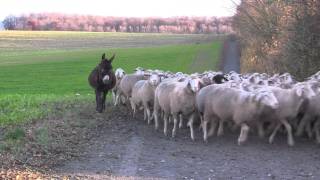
[40, 69]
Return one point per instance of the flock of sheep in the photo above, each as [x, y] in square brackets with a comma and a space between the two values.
[252, 102]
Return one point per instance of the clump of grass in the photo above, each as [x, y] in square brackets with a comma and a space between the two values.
[42, 136]
[15, 134]
[13, 139]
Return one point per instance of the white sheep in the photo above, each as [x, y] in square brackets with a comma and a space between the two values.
[127, 83]
[291, 101]
[119, 73]
[175, 98]
[312, 112]
[219, 103]
[143, 94]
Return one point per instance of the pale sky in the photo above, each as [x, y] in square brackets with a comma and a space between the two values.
[132, 8]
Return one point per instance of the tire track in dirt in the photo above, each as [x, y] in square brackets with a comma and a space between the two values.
[130, 160]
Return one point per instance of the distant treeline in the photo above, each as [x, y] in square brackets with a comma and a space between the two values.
[61, 22]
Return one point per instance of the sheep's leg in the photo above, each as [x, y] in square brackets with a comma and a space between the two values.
[201, 121]
[243, 134]
[302, 125]
[170, 119]
[309, 129]
[205, 131]
[113, 96]
[156, 119]
[274, 132]
[190, 124]
[260, 129]
[204, 128]
[317, 131]
[175, 123]
[220, 129]
[117, 100]
[145, 114]
[133, 106]
[149, 115]
[181, 121]
[289, 131]
[213, 126]
[165, 122]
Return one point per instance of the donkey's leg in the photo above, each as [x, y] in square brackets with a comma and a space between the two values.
[98, 101]
[104, 94]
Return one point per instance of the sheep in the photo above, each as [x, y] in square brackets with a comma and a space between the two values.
[127, 83]
[143, 93]
[312, 112]
[221, 103]
[291, 102]
[217, 102]
[119, 73]
[176, 98]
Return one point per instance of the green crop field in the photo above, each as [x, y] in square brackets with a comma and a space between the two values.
[41, 67]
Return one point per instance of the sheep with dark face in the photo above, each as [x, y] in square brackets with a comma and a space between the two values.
[102, 79]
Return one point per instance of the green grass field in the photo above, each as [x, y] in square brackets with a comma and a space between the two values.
[32, 76]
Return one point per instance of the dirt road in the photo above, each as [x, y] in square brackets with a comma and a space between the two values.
[128, 147]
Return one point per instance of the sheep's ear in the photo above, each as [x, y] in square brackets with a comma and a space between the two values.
[103, 56]
[299, 92]
[189, 84]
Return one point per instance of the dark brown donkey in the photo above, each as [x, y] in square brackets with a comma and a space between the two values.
[102, 79]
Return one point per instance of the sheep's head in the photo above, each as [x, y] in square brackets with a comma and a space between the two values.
[246, 86]
[286, 78]
[120, 73]
[235, 77]
[267, 98]
[195, 84]
[154, 79]
[139, 71]
[254, 78]
[304, 90]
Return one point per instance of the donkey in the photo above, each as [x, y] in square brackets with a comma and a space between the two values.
[102, 79]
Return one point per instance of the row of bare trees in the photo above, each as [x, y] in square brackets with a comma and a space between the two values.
[53, 21]
[279, 36]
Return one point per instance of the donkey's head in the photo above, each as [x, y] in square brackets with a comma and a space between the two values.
[105, 67]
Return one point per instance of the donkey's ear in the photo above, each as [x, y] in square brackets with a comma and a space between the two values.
[111, 59]
[103, 56]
